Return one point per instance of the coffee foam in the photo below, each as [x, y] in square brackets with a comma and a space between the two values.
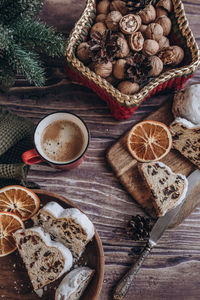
[62, 140]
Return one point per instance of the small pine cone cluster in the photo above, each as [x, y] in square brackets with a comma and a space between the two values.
[139, 227]
[133, 31]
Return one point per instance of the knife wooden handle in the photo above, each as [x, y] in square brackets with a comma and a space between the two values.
[122, 287]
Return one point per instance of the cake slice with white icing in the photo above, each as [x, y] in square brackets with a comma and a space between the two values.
[186, 139]
[45, 260]
[168, 189]
[74, 284]
[68, 226]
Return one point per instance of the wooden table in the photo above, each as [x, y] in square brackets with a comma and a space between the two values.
[172, 270]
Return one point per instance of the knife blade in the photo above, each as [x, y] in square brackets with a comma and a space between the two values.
[159, 227]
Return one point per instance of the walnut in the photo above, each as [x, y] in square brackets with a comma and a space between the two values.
[136, 41]
[166, 24]
[165, 4]
[163, 42]
[103, 70]
[119, 68]
[143, 28]
[154, 31]
[124, 48]
[156, 65]
[150, 47]
[172, 55]
[99, 26]
[130, 23]
[101, 18]
[161, 12]
[83, 52]
[112, 20]
[128, 87]
[119, 6]
[103, 7]
[148, 14]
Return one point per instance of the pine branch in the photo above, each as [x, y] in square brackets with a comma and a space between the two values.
[6, 38]
[27, 63]
[11, 10]
[39, 36]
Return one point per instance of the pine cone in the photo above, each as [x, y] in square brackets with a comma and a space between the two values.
[139, 227]
[138, 68]
[136, 5]
[103, 47]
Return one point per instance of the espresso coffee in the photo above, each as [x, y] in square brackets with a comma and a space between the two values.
[62, 140]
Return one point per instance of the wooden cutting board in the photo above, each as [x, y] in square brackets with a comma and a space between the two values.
[125, 168]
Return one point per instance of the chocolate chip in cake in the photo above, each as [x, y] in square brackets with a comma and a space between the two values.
[154, 173]
[175, 195]
[47, 253]
[43, 268]
[31, 264]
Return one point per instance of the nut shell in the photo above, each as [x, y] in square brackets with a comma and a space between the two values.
[119, 6]
[103, 7]
[83, 52]
[130, 23]
[166, 24]
[112, 20]
[99, 26]
[157, 66]
[101, 18]
[150, 47]
[163, 42]
[119, 68]
[165, 4]
[154, 31]
[128, 87]
[148, 14]
[161, 12]
[103, 70]
[124, 48]
[136, 41]
[172, 55]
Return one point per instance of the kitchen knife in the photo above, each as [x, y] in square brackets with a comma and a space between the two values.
[158, 229]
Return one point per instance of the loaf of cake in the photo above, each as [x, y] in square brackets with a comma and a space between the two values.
[45, 260]
[68, 226]
[167, 188]
[74, 284]
[186, 139]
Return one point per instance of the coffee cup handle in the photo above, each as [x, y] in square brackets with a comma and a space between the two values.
[31, 157]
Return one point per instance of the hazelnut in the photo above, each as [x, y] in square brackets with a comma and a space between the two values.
[112, 20]
[119, 6]
[148, 14]
[83, 52]
[103, 7]
[136, 41]
[172, 55]
[143, 28]
[163, 42]
[156, 66]
[119, 68]
[166, 24]
[150, 47]
[101, 18]
[123, 47]
[165, 4]
[103, 70]
[99, 26]
[154, 31]
[130, 23]
[161, 12]
[128, 87]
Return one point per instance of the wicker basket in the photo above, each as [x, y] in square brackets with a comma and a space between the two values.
[123, 106]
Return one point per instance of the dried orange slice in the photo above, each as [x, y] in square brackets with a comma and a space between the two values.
[149, 141]
[19, 200]
[9, 223]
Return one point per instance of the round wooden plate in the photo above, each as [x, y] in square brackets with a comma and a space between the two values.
[15, 283]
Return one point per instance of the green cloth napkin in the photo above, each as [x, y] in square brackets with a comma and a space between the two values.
[16, 137]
